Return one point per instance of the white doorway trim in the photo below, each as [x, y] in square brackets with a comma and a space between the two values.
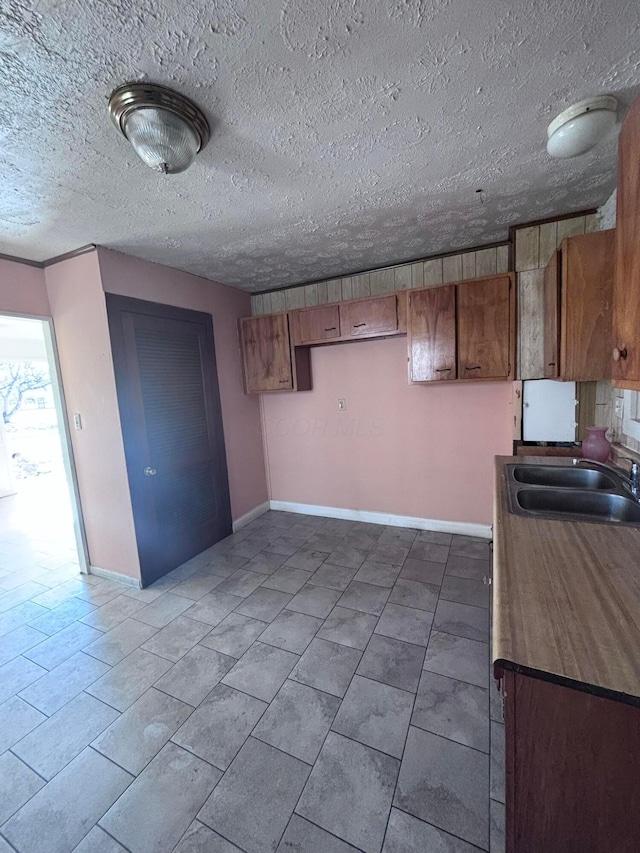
[65, 435]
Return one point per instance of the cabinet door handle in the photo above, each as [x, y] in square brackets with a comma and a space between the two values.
[551, 364]
[358, 325]
[331, 329]
[477, 367]
[444, 370]
[620, 353]
[284, 382]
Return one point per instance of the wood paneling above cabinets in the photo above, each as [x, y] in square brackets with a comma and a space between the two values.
[464, 331]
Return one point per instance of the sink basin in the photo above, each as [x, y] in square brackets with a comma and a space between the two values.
[560, 476]
[579, 505]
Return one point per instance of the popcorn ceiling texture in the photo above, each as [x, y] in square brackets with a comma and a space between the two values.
[347, 134]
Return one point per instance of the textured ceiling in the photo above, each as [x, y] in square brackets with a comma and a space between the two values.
[347, 134]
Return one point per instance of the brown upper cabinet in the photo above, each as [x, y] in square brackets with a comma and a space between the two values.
[462, 331]
[366, 318]
[578, 293]
[316, 325]
[270, 361]
[626, 299]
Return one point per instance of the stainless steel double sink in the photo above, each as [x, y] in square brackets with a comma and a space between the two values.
[570, 494]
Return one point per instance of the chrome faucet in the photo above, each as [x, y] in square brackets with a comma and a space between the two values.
[632, 483]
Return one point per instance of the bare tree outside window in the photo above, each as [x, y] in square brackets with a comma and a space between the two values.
[16, 380]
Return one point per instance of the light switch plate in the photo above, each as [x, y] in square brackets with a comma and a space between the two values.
[77, 421]
[342, 405]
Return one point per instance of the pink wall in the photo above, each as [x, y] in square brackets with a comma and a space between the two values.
[240, 413]
[80, 320]
[22, 289]
[420, 451]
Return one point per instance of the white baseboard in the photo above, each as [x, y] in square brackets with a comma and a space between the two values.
[115, 576]
[463, 528]
[256, 512]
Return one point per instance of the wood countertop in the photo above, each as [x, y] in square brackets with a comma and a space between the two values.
[566, 598]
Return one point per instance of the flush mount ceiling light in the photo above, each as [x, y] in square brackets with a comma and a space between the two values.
[166, 129]
[580, 127]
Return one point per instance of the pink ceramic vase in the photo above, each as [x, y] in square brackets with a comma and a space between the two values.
[596, 446]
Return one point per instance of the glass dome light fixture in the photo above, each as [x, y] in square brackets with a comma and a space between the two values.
[165, 129]
[581, 127]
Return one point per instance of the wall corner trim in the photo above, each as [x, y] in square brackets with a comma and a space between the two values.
[107, 574]
[256, 512]
[462, 528]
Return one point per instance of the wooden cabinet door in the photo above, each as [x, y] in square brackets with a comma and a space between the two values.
[484, 329]
[370, 317]
[431, 328]
[317, 324]
[585, 313]
[266, 352]
[626, 311]
[551, 329]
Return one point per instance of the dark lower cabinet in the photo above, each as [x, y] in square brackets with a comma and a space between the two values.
[572, 769]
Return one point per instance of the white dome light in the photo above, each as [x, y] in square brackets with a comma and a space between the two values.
[581, 127]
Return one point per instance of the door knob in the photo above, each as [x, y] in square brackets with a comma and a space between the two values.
[150, 472]
[619, 353]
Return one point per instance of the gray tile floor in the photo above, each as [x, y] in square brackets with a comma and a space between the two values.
[309, 685]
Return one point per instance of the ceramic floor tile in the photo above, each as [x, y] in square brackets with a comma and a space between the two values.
[26, 592]
[297, 721]
[261, 671]
[333, 577]
[234, 635]
[324, 542]
[197, 586]
[434, 537]
[200, 839]
[65, 809]
[252, 804]
[241, 583]
[129, 679]
[381, 574]
[177, 638]
[51, 692]
[458, 657]
[224, 565]
[213, 607]
[327, 666]
[423, 596]
[467, 567]
[400, 536]
[394, 555]
[349, 792]
[405, 623]
[291, 631]
[375, 714]
[169, 792]
[112, 613]
[21, 614]
[465, 591]
[18, 783]
[56, 649]
[220, 725]
[98, 841]
[287, 579]
[465, 546]
[497, 762]
[141, 732]
[429, 552]
[163, 610]
[392, 662]
[264, 604]
[100, 594]
[285, 545]
[422, 571]
[304, 837]
[116, 644]
[64, 735]
[348, 556]
[265, 563]
[463, 620]
[16, 675]
[314, 601]
[18, 641]
[454, 709]
[195, 675]
[52, 621]
[305, 560]
[497, 828]
[248, 548]
[366, 597]
[445, 784]
[496, 708]
[17, 719]
[407, 834]
[349, 627]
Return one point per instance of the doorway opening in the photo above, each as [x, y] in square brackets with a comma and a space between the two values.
[41, 530]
